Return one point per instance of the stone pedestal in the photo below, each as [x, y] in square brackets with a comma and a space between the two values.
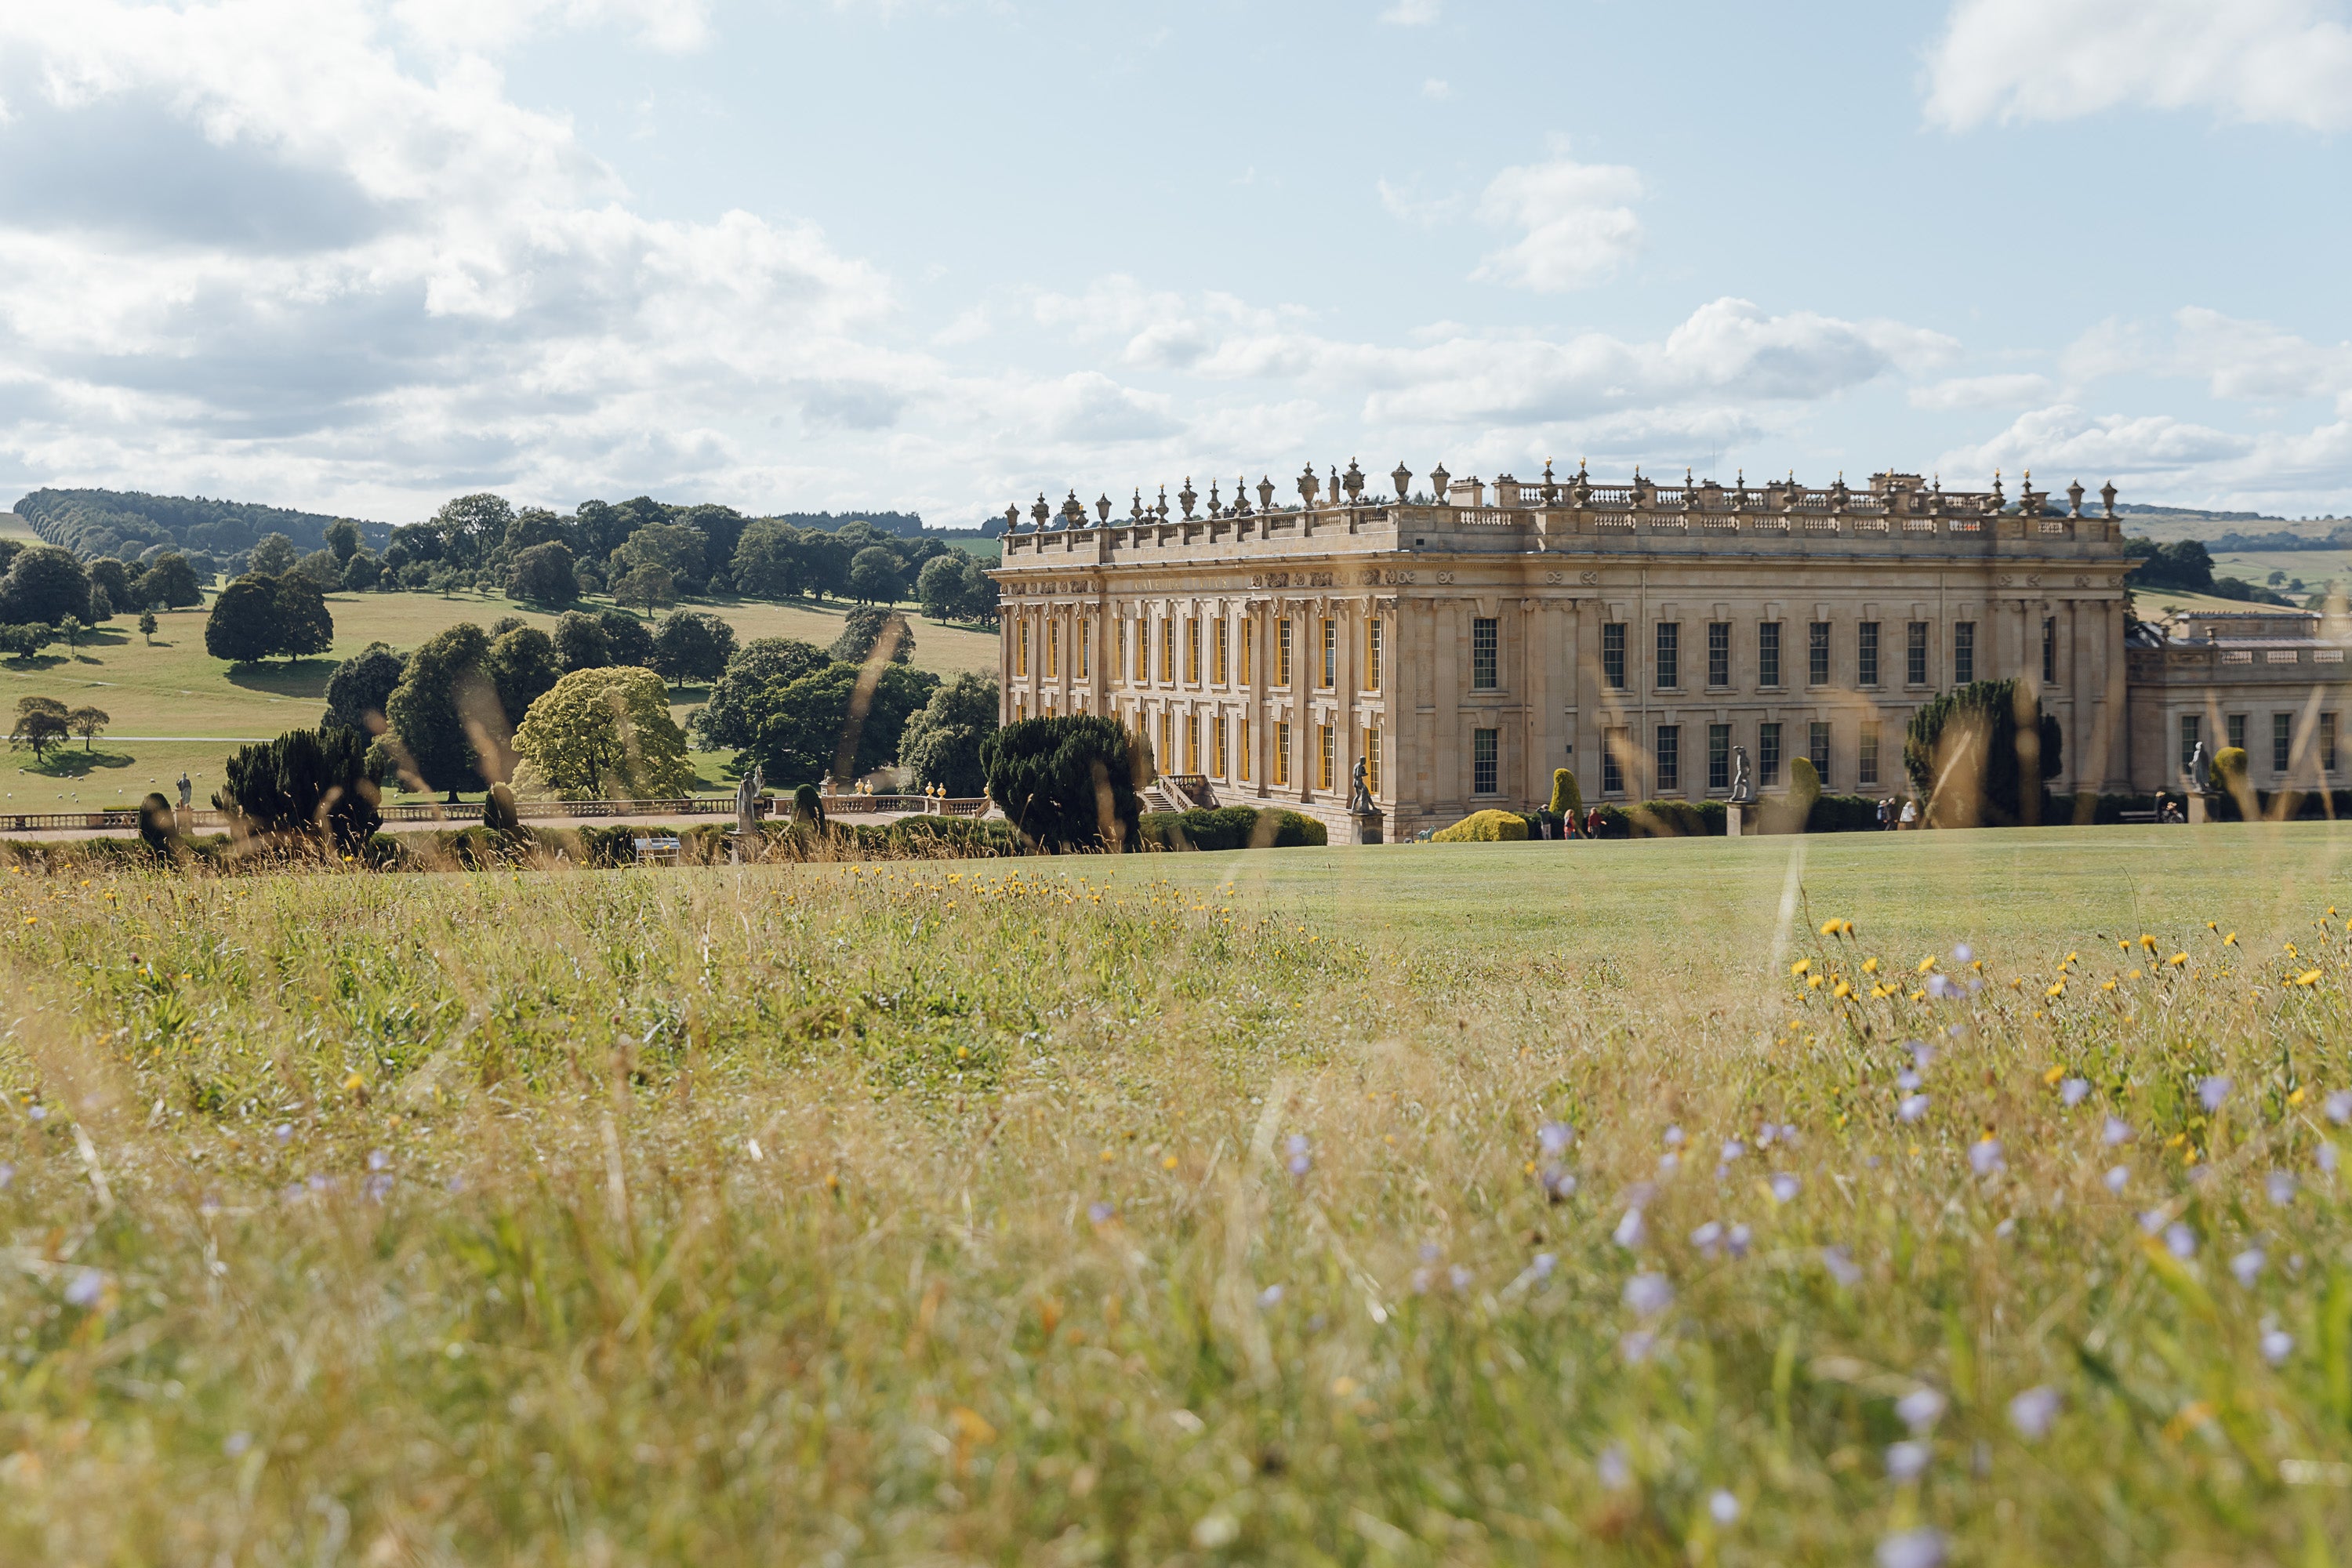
[1735, 819]
[184, 821]
[1368, 826]
[2201, 808]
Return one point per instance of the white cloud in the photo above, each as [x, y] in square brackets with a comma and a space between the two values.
[1981, 391]
[1413, 13]
[1576, 221]
[2267, 61]
[673, 25]
[2238, 359]
[1438, 89]
[2158, 455]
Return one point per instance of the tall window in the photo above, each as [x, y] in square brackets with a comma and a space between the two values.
[1166, 758]
[1768, 653]
[1964, 652]
[1915, 654]
[1053, 650]
[1192, 650]
[1282, 654]
[1122, 645]
[1486, 769]
[1866, 756]
[1670, 757]
[1718, 757]
[1021, 650]
[1281, 750]
[1817, 746]
[2236, 725]
[2049, 650]
[1612, 761]
[1372, 656]
[1613, 656]
[1327, 756]
[2192, 727]
[1167, 650]
[1249, 652]
[1482, 652]
[1767, 754]
[1817, 653]
[1670, 655]
[1192, 742]
[1372, 759]
[1143, 651]
[2328, 742]
[1217, 650]
[1020, 707]
[2282, 741]
[1083, 643]
[1331, 652]
[1242, 770]
[1866, 654]
[1217, 745]
[1718, 653]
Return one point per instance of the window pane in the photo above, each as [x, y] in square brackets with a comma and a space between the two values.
[1817, 747]
[1817, 652]
[1867, 654]
[1768, 753]
[1767, 654]
[1718, 653]
[1718, 756]
[1964, 652]
[1670, 644]
[1613, 655]
[1670, 757]
[1915, 662]
[1482, 652]
[1613, 768]
[1485, 770]
[2191, 725]
[1866, 756]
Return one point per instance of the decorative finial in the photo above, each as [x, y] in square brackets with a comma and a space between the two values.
[1400, 476]
[1102, 507]
[1264, 493]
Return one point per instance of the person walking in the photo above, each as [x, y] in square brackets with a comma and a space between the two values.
[1910, 818]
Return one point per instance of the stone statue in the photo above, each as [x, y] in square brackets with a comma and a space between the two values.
[1743, 787]
[747, 799]
[1360, 801]
[187, 790]
[2200, 770]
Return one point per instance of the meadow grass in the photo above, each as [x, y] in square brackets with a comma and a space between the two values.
[1463, 1204]
[173, 688]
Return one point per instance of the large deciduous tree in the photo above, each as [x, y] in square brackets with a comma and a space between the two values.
[544, 574]
[868, 625]
[44, 585]
[767, 563]
[943, 741]
[845, 719]
[692, 645]
[603, 734]
[1069, 782]
[875, 577]
[42, 723]
[445, 713]
[361, 688]
[726, 721]
[170, 581]
[522, 667]
[273, 557]
[243, 626]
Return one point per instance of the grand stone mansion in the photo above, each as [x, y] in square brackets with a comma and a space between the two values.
[1466, 642]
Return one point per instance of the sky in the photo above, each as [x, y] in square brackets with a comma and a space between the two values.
[360, 256]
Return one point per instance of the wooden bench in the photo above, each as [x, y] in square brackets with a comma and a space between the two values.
[657, 851]
[2148, 815]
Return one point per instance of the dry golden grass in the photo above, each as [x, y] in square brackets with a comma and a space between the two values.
[1173, 1210]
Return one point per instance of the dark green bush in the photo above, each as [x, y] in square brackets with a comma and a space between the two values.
[1842, 814]
[1232, 827]
[1069, 782]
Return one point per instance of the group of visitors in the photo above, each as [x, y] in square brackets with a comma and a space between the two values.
[1897, 817]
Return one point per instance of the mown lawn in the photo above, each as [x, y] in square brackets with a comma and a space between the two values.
[173, 688]
[1457, 1203]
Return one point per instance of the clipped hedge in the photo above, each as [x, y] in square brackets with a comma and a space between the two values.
[1233, 828]
[1483, 827]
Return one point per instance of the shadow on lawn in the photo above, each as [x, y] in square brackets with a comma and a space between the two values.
[303, 677]
[73, 762]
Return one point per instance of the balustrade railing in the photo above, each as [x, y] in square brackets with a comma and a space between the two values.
[459, 813]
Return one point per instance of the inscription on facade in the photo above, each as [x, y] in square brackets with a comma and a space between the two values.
[1292, 579]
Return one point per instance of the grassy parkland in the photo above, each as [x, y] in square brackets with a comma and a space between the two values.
[176, 707]
[1482, 1202]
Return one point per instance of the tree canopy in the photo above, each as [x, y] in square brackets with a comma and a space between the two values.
[943, 742]
[864, 626]
[725, 722]
[839, 721]
[361, 688]
[44, 585]
[306, 784]
[41, 723]
[603, 734]
[444, 712]
[1979, 755]
[692, 645]
[544, 574]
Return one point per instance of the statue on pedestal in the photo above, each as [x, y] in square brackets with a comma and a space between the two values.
[1360, 800]
[2200, 770]
[1743, 786]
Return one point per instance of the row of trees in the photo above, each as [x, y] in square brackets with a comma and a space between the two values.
[44, 722]
[41, 585]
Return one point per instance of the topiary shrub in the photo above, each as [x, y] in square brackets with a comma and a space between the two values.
[1667, 819]
[1842, 814]
[1068, 782]
[1483, 827]
[157, 824]
[2229, 779]
[1566, 800]
[498, 813]
[808, 807]
[304, 785]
